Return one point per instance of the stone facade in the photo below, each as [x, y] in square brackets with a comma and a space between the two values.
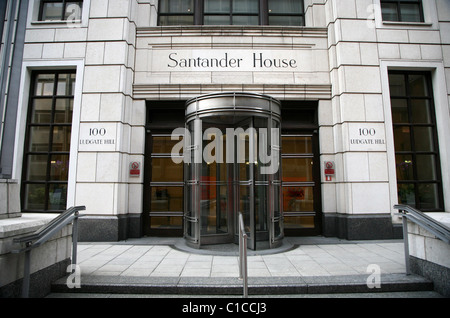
[121, 59]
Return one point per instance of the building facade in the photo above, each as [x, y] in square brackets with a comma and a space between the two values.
[363, 88]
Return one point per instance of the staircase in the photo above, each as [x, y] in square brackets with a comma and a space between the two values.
[318, 286]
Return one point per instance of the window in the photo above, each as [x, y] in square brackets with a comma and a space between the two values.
[47, 144]
[402, 10]
[54, 10]
[415, 139]
[231, 12]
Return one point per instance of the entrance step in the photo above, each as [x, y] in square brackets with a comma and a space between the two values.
[190, 286]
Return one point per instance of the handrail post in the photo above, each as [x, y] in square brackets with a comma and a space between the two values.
[243, 255]
[74, 241]
[405, 241]
[26, 273]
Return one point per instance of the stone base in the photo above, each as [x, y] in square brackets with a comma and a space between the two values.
[48, 262]
[109, 228]
[361, 227]
[9, 199]
[439, 275]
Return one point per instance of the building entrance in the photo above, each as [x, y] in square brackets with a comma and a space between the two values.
[233, 165]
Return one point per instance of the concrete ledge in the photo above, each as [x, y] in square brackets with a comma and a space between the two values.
[53, 254]
[429, 256]
[233, 286]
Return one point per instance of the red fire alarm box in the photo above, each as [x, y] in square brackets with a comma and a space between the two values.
[135, 169]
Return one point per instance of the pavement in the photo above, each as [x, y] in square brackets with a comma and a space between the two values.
[299, 257]
[301, 267]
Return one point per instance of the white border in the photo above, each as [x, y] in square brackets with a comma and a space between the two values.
[442, 121]
[22, 111]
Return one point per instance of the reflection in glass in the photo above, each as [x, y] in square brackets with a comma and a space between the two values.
[165, 170]
[404, 165]
[402, 138]
[34, 197]
[418, 85]
[297, 145]
[39, 139]
[163, 144]
[421, 111]
[427, 167]
[66, 84]
[389, 11]
[428, 196]
[295, 222]
[44, 84]
[61, 138]
[285, 6]
[166, 222]
[297, 169]
[37, 167]
[423, 138]
[397, 85]
[41, 112]
[57, 195]
[399, 111]
[410, 12]
[52, 11]
[406, 194]
[166, 199]
[59, 167]
[298, 199]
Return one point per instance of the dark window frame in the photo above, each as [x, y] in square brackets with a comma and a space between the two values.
[263, 14]
[51, 125]
[413, 152]
[398, 4]
[63, 9]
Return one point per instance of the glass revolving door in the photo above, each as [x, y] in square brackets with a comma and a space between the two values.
[232, 166]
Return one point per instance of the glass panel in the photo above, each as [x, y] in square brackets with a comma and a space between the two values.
[37, 167]
[59, 167]
[176, 6]
[286, 20]
[423, 137]
[41, 112]
[297, 169]
[57, 195]
[66, 84]
[176, 20]
[39, 139]
[217, 20]
[428, 196]
[44, 84]
[410, 12]
[166, 199]
[404, 166]
[295, 222]
[389, 11]
[426, 167]
[298, 199]
[261, 207]
[286, 6]
[34, 197]
[167, 222]
[217, 6]
[418, 85]
[421, 111]
[296, 145]
[397, 85]
[245, 6]
[245, 20]
[73, 10]
[63, 110]
[406, 194]
[163, 144]
[61, 138]
[399, 111]
[165, 170]
[52, 11]
[402, 138]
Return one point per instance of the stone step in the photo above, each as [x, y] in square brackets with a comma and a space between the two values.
[315, 285]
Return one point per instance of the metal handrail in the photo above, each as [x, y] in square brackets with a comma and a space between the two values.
[243, 274]
[42, 235]
[431, 225]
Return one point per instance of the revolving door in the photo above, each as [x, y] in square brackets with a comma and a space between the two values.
[232, 165]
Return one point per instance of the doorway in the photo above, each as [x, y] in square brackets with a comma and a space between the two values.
[233, 166]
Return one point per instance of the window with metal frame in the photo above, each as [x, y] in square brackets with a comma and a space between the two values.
[231, 12]
[47, 144]
[402, 10]
[54, 10]
[418, 167]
